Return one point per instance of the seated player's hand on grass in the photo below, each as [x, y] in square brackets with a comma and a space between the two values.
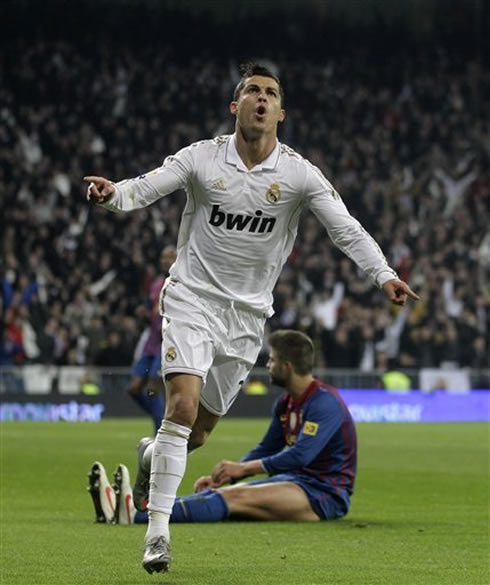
[99, 189]
[398, 291]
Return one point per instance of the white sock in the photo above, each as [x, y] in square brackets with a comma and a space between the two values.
[167, 470]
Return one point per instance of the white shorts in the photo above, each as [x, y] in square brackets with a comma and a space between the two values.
[211, 339]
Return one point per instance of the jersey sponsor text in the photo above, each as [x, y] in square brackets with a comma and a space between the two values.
[240, 222]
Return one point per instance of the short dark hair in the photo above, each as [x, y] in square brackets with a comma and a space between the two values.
[250, 68]
[295, 347]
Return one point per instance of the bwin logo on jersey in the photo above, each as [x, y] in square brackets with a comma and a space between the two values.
[240, 222]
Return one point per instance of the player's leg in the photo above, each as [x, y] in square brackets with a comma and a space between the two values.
[202, 428]
[156, 386]
[285, 501]
[151, 404]
[168, 465]
[238, 342]
[145, 367]
[238, 353]
[189, 350]
[155, 392]
[266, 502]
[274, 501]
[136, 385]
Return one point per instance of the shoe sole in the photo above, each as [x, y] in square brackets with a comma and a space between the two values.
[94, 489]
[122, 513]
[116, 486]
[160, 567]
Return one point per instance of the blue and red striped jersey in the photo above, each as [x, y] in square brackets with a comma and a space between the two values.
[313, 434]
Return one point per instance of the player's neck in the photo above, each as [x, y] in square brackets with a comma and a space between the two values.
[298, 385]
[254, 149]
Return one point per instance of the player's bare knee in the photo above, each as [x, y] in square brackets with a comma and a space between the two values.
[236, 497]
[182, 410]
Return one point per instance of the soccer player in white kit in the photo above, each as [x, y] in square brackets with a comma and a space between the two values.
[245, 194]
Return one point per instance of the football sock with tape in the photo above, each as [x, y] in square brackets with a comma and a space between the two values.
[167, 469]
[210, 506]
[206, 506]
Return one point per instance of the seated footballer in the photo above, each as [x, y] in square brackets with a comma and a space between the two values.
[309, 452]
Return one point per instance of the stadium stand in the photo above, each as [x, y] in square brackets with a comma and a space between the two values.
[404, 137]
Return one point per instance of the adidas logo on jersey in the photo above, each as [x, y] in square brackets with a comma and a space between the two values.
[219, 185]
[238, 222]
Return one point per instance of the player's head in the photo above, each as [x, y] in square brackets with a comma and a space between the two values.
[167, 258]
[291, 352]
[258, 99]
[250, 69]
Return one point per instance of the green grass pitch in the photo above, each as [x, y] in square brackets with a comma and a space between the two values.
[419, 514]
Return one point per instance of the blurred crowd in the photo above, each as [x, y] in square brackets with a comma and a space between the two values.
[404, 138]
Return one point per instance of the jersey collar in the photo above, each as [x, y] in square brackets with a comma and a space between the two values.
[233, 158]
[312, 388]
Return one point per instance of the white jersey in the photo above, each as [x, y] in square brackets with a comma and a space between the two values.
[238, 226]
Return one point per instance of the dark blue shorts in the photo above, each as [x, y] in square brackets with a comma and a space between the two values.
[148, 366]
[327, 506]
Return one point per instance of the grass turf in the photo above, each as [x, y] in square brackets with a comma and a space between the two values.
[419, 515]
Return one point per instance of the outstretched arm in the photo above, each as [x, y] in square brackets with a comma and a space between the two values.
[350, 237]
[129, 194]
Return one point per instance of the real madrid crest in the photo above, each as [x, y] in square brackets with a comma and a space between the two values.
[171, 354]
[273, 193]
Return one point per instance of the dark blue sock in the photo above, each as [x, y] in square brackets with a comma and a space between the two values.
[153, 405]
[208, 506]
[211, 511]
[141, 518]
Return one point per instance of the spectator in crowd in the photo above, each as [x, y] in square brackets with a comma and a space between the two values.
[410, 159]
[114, 354]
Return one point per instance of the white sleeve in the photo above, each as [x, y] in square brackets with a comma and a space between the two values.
[344, 230]
[174, 174]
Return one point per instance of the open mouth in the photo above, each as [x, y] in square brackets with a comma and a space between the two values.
[260, 111]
